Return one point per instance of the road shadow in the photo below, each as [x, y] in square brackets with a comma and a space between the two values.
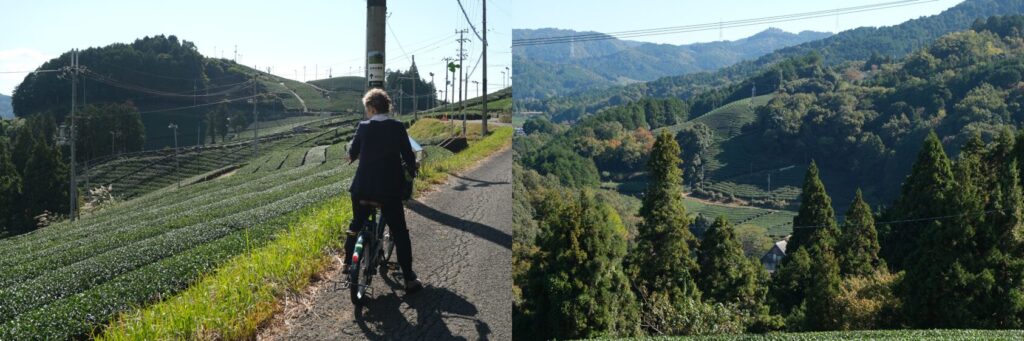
[486, 232]
[382, 318]
[478, 183]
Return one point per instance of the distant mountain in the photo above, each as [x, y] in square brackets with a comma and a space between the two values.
[851, 45]
[6, 111]
[546, 70]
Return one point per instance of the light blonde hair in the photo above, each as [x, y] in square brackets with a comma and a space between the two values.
[378, 100]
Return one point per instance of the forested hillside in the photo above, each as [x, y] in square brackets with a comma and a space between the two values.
[907, 200]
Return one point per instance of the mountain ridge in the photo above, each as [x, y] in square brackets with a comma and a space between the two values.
[608, 62]
[6, 111]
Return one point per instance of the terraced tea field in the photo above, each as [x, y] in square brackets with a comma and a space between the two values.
[62, 280]
[778, 222]
[142, 173]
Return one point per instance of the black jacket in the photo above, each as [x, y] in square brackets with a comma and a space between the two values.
[385, 158]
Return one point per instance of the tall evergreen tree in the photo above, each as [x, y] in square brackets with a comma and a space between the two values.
[44, 182]
[726, 274]
[1004, 251]
[10, 189]
[790, 282]
[858, 244]
[580, 277]
[815, 213]
[663, 261]
[944, 285]
[807, 281]
[822, 311]
[925, 193]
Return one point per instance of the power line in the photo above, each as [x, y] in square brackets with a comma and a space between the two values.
[199, 105]
[714, 25]
[128, 86]
[719, 24]
[913, 220]
[393, 35]
[470, 22]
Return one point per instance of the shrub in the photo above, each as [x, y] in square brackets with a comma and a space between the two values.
[868, 302]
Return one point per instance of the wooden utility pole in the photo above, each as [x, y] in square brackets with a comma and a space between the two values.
[74, 84]
[256, 118]
[462, 57]
[376, 20]
[485, 115]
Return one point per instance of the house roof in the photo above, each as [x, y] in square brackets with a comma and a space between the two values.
[781, 245]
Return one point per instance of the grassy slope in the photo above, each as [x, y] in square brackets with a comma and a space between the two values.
[347, 83]
[498, 101]
[233, 301]
[316, 100]
[432, 130]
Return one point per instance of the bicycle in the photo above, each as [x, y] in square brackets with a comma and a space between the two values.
[372, 254]
[374, 246]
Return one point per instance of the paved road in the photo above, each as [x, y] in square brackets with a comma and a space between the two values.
[462, 240]
[304, 108]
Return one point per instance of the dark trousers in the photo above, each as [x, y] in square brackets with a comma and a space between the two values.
[394, 217]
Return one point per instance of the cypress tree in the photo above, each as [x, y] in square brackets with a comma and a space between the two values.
[858, 244]
[44, 182]
[1003, 251]
[815, 213]
[925, 193]
[10, 189]
[822, 311]
[580, 275]
[790, 282]
[944, 284]
[663, 261]
[804, 284]
[726, 274]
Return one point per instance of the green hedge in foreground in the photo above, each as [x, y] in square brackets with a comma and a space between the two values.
[912, 334]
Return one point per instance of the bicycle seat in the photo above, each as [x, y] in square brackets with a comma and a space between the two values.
[370, 203]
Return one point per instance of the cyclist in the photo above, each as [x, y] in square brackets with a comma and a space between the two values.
[386, 158]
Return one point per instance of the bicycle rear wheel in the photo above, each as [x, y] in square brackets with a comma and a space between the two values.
[359, 278]
[388, 248]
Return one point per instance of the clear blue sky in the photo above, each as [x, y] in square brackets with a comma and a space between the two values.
[284, 35]
[621, 15]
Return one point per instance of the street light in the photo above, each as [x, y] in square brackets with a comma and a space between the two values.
[435, 88]
[177, 164]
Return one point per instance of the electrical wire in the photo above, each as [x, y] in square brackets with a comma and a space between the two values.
[127, 86]
[470, 22]
[913, 220]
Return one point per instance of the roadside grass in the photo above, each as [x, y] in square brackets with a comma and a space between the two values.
[432, 130]
[234, 300]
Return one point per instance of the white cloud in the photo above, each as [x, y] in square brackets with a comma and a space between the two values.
[18, 59]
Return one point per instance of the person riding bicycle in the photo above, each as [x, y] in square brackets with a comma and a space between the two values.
[386, 157]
